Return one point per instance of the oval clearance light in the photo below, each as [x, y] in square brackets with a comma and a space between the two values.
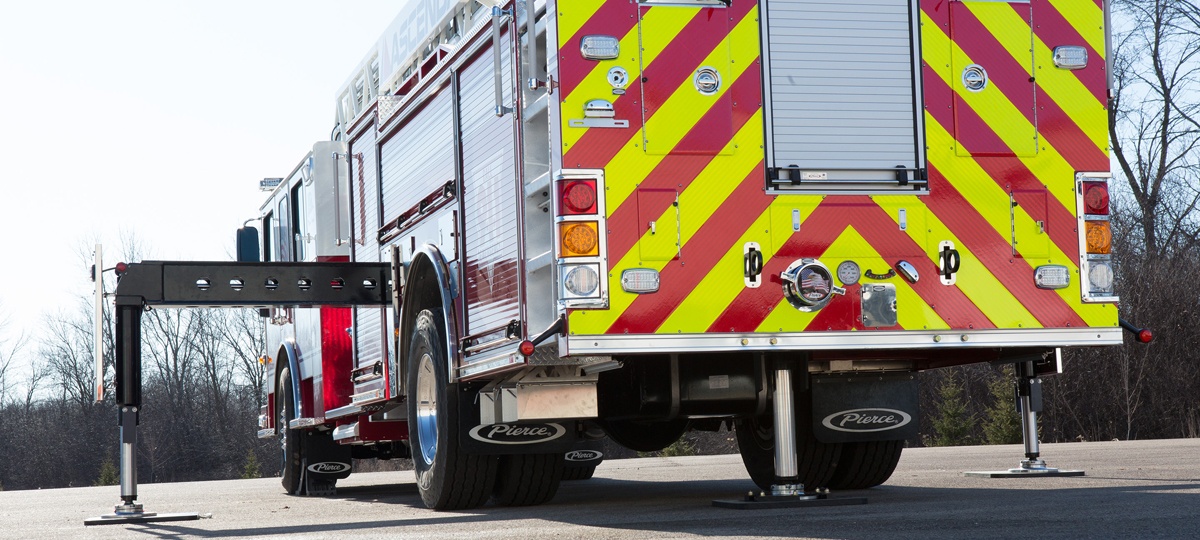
[1052, 276]
[580, 239]
[1070, 57]
[600, 47]
[640, 280]
[1099, 237]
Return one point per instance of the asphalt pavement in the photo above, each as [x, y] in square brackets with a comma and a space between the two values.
[1134, 489]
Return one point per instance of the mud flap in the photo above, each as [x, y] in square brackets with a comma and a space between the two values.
[324, 463]
[585, 453]
[539, 437]
[864, 407]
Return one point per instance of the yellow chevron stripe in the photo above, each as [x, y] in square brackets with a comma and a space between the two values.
[632, 164]
[1066, 90]
[913, 312]
[596, 86]
[576, 14]
[720, 286]
[1085, 16]
[1047, 165]
[697, 204]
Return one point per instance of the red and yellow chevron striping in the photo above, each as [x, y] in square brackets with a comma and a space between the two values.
[687, 188]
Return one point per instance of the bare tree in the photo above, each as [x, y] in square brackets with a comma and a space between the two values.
[1154, 119]
[10, 350]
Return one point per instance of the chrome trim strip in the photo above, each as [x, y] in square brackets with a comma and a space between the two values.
[872, 340]
[266, 433]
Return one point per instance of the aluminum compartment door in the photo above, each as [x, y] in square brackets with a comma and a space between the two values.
[992, 76]
[491, 275]
[694, 117]
[841, 87]
[370, 345]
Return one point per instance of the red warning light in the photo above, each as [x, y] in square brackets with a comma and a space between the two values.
[121, 268]
[1145, 336]
[526, 348]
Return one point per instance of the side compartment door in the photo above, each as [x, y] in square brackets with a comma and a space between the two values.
[370, 345]
[491, 201]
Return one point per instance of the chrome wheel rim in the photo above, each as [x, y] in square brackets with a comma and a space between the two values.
[427, 428]
[282, 427]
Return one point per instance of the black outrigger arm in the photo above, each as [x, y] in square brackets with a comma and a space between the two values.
[214, 284]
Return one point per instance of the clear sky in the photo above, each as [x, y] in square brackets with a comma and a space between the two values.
[155, 120]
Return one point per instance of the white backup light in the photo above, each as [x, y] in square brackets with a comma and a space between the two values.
[581, 281]
[1100, 277]
[1052, 276]
[640, 280]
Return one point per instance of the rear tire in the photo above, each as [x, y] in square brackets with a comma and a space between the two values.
[816, 461]
[448, 478]
[579, 473]
[866, 464]
[528, 479]
[291, 466]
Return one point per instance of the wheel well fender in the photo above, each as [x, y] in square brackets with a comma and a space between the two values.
[429, 283]
[287, 357]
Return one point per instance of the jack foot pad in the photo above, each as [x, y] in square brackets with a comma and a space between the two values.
[765, 502]
[124, 518]
[1025, 471]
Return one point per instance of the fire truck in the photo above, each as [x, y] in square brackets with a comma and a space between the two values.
[628, 219]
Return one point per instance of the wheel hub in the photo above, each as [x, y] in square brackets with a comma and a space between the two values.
[427, 428]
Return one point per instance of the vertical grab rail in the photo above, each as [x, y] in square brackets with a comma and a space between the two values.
[535, 80]
[337, 200]
[497, 15]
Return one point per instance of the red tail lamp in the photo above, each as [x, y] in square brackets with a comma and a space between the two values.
[1095, 198]
[526, 348]
[578, 197]
[1145, 336]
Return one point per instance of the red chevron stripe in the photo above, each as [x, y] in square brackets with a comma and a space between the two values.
[720, 231]
[1054, 30]
[752, 306]
[1008, 172]
[612, 19]
[1052, 122]
[995, 253]
[598, 146]
[679, 171]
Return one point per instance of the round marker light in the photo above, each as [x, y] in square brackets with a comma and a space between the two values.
[1145, 336]
[579, 239]
[1100, 276]
[1095, 198]
[1099, 237]
[121, 268]
[579, 197]
[582, 281]
[526, 348]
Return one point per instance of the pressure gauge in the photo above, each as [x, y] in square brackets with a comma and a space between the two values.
[848, 273]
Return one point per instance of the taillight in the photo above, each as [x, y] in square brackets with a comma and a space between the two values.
[1095, 238]
[1095, 198]
[580, 224]
[578, 197]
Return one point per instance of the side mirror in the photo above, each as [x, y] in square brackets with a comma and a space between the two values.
[247, 244]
